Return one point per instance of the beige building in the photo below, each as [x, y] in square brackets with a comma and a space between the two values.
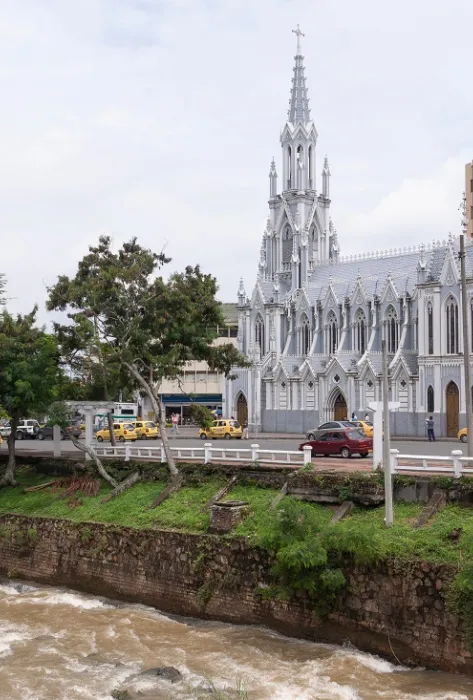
[198, 384]
[469, 198]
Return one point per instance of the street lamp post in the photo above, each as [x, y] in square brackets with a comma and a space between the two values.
[466, 339]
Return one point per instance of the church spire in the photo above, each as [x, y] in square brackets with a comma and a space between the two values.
[299, 103]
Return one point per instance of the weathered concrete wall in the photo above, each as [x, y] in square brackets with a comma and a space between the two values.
[388, 609]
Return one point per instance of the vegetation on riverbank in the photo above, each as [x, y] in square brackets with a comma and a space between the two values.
[307, 547]
[185, 511]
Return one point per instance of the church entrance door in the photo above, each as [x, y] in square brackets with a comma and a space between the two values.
[453, 409]
[242, 409]
[340, 408]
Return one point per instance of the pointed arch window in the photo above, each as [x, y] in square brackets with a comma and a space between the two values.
[259, 333]
[289, 167]
[451, 313]
[305, 335]
[430, 400]
[430, 329]
[310, 167]
[360, 332]
[332, 334]
[392, 330]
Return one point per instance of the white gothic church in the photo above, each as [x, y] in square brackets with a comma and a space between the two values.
[315, 320]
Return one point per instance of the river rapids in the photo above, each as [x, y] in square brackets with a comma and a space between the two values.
[61, 645]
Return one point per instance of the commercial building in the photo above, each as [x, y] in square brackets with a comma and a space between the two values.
[197, 383]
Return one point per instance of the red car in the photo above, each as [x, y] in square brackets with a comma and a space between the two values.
[343, 442]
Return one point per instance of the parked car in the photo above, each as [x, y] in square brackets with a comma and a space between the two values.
[5, 430]
[46, 432]
[331, 425]
[363, 426]
[123, 431]
[226, 429]
[343, 442]
[27, 430]
[463, 435]
[146, 429]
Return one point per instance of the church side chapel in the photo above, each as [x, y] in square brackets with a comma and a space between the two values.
[314, 322]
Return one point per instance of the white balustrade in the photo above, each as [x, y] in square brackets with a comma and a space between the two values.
[453, 464]
[207, 454]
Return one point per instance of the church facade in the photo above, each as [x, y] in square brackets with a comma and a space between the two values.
[314, 322]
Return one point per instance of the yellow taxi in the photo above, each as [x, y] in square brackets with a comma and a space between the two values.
[226, 429]
[123, 431]
[463, 435]
[365, 426]
[146, 429]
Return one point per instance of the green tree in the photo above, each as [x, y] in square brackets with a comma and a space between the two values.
[202, 415]
[95, 374]
[152, 326]
[29, 374]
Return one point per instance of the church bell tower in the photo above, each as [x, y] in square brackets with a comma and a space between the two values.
[298, 236]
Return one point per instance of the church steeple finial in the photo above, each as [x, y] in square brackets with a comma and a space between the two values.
[298, 33]
[299, 103]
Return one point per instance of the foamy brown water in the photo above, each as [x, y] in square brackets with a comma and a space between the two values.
[60, 645]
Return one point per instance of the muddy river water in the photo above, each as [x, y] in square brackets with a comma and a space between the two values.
[61, 645]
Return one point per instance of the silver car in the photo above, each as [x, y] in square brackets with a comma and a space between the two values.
[330, 425]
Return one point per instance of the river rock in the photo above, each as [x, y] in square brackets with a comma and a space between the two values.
[121, 695]
[167, 673]
[22, 588]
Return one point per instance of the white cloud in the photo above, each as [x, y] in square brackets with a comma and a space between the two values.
[159, 119]
[420, 209]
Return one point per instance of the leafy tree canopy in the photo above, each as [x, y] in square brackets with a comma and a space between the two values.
[29, 372]
[151, 326]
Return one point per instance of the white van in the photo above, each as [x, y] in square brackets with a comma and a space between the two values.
[27, 430]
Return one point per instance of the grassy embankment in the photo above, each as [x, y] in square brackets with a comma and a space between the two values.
[184, 511]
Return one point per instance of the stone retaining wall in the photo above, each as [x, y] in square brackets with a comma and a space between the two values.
[393, 609]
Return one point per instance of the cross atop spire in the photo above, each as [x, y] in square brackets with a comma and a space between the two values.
[298, 33]
[299, 103]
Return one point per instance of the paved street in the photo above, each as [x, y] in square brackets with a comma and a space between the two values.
[272, 443]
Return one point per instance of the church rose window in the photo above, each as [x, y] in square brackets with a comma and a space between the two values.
[370, 384]
[311, 385]
[451, 312]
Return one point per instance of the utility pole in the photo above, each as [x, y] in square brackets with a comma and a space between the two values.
[466, 339]
[388, 478]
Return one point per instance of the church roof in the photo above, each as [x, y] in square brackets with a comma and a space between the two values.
[292, 364]
[373, 272]
[411, 362]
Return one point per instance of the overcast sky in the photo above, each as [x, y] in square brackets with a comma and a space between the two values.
[159, 119]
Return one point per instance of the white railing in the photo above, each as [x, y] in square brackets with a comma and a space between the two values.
[454, 464]
[208, 454]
